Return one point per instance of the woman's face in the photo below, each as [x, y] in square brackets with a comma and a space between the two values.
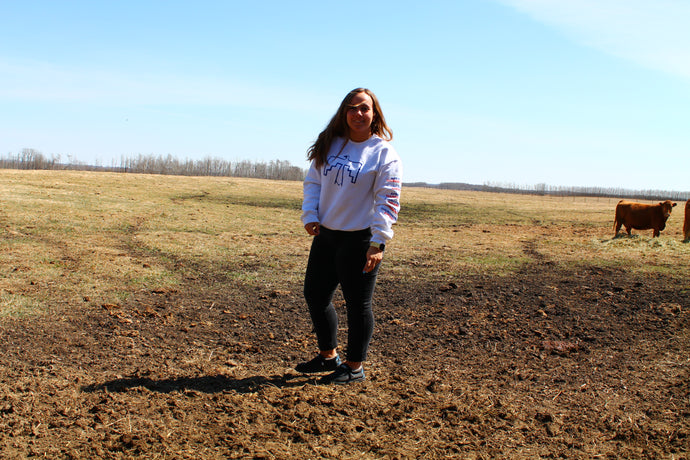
[360, 114]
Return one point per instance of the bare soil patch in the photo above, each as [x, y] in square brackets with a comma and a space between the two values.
[542, 363]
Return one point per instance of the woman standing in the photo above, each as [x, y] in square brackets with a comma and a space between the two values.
[351, 201]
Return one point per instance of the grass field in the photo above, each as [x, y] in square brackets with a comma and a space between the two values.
[160, 317]
[70, 236]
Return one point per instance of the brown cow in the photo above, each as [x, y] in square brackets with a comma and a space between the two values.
[642, 216]
[686, 224]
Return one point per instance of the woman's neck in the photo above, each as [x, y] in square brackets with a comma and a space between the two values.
[359, 137]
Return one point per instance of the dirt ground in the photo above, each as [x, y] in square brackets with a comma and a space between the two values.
[588, 363]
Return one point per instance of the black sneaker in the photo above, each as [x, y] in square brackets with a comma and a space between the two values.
[319, 364]
[343, 374]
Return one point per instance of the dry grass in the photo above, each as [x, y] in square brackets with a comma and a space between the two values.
[70, 237]
[455, 232]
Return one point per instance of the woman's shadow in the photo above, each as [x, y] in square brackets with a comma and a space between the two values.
[205, 384]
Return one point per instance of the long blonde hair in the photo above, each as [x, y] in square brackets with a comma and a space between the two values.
[338, 127]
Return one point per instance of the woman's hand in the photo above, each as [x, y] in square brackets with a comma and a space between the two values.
[312, 228]
[374, 257]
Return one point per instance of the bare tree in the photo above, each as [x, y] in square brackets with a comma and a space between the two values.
[159, 164]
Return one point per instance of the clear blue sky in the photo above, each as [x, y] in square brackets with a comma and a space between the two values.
[562, 92]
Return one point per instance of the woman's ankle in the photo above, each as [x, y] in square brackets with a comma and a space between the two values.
[354, 365]
[328, 354]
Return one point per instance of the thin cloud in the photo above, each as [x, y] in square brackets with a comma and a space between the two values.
[653, 34]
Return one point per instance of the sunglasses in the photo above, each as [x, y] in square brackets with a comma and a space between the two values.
[359, 108]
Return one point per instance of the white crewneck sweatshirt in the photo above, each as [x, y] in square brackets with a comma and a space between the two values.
[358, 188]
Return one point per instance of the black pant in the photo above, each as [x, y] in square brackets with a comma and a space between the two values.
[338, 257]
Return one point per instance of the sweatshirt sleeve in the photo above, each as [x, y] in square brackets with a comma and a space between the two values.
[312, 192]
[387, 197]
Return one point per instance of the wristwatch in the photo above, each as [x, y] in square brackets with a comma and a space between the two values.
[381, 246]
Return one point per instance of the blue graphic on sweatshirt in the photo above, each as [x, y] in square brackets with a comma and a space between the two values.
[342, 166]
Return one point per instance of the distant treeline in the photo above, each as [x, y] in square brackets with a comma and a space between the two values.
[550, 190]
[283, 170]
[157, 164]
